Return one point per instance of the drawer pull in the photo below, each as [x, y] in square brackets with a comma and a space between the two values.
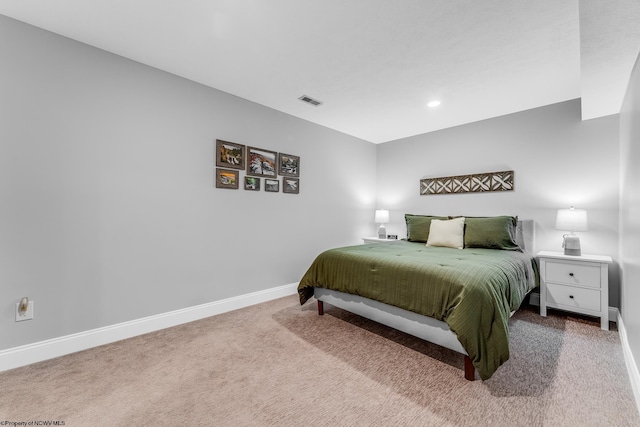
[571, 296]
[571, 274]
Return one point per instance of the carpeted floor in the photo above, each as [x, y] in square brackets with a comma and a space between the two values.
[281, 364]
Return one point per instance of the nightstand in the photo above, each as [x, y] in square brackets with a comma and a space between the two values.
[579, 284]
[372, 240]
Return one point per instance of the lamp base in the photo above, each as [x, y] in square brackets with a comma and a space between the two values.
[571, 245]
[382, 232]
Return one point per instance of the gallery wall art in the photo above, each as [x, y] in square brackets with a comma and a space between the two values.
[262, 168]
[289, 165]
[290, 185]
[229, 154]
[226, 178]
[261, 162]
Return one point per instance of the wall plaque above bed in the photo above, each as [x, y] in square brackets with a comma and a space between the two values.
[475, 183]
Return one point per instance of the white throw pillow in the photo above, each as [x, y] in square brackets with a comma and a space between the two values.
[448, 233]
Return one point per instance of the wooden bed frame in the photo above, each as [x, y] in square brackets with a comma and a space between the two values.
[423, 327]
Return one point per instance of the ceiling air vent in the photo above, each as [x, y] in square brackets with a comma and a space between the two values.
[309, 100]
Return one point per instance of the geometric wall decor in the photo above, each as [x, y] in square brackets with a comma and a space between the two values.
[475, 183]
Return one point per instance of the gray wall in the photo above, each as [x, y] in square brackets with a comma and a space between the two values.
[558, 160]
[630, 211]
[108, 208]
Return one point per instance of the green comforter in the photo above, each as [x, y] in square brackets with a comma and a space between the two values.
[472, 290]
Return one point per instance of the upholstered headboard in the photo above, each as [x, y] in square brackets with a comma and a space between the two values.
[526, 235]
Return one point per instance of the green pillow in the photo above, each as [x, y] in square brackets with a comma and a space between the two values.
[495, 232]
[418, 227]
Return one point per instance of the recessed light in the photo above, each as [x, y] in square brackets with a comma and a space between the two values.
[433, 104]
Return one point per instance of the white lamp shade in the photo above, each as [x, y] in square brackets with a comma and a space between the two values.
[382, 216]
[571, 219]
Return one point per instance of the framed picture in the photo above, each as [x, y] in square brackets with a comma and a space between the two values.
[226, 178]
[288, 165]
[261, 162]
[252, 183]
[229, 154]
[290, 185]
[272, 185]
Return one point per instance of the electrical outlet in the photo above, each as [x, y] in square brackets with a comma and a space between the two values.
[28, 315]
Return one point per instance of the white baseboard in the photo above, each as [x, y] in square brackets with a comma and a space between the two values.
[613, 314]
[632, 367]
[534, 299]
[48, 349]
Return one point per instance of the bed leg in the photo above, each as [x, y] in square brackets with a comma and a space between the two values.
[469, 369]
[320, 308]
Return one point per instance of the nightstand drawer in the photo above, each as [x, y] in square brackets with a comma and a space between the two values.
[573, 274]
[575, 283]
[568, 296]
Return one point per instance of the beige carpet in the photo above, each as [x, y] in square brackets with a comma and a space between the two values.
[283, 365]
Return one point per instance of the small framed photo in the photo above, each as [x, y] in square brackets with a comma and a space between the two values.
[261, 162]
[252, 183]
[272, 185]
[229, 154]
[288, 165]
[226, 178]
[290, 185]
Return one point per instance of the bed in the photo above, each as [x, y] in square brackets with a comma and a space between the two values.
[455, 288]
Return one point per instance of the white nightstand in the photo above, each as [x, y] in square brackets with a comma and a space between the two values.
[575, 283]
[372, 240]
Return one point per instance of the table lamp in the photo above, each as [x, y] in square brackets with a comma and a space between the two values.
[382, 217]
[571, 220]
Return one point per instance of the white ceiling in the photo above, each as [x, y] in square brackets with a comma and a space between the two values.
[373, 63]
